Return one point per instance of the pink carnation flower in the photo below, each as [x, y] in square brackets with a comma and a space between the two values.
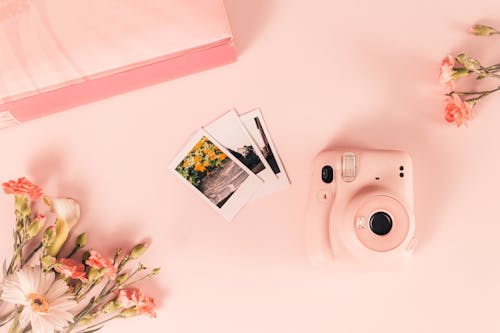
[71, 269]
[133, 297]
[446, 74]
[457, 110]
[23, 187]
[96, 260]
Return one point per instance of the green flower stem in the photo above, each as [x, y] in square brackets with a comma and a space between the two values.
[80, 315]
[117, 254]
[30, 255]
[13, 262]
[122, 264]
[72, 253]
[490, 71]
[87, 290]
[93, 326]
[18, 253]
[481, 93]
[486, 93]
[20, 241]
[103, 291]
[93, 305]
[138, 280]
[493, 68]
[138, 269]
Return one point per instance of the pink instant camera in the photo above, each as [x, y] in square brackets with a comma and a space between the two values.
[361, 207]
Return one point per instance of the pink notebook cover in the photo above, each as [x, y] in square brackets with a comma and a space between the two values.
[57, 54]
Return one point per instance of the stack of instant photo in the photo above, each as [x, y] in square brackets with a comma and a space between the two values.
[230, 162]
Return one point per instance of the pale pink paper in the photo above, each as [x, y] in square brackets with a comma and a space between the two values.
[48, 44]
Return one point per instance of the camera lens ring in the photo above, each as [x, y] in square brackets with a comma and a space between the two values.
[366, 206]
[381, 223]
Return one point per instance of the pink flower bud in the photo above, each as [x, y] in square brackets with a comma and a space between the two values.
[41, 219]
[36, 226]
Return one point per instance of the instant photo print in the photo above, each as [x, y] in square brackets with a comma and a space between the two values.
[256, 127]
[212, 172]
[230, 132]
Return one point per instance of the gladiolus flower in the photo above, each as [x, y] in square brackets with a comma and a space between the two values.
[457, 110]
[23, 187]
[71, 269]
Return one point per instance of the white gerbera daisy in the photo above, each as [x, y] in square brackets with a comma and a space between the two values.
[44, 299]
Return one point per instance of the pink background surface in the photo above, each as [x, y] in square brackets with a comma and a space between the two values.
[325, 74]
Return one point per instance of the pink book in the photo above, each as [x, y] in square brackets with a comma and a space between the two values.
[58, 54]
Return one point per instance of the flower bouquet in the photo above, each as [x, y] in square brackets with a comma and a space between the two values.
[459, 104]
[47, 292]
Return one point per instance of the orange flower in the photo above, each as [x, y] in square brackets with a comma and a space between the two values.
[198, 145]
[197, 158]
[133, 297]
[222, 157]
[446, 73]
[457, 110]
[71, 269]
[212, 156]
[199, 167]
[23, 187]
[96, 260]
[185, 164]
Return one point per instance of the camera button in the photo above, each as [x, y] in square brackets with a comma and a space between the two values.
[324, 195]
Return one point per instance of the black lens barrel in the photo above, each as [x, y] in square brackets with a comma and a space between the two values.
[381, 223]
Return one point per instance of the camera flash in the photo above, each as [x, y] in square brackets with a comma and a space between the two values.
[348, 167]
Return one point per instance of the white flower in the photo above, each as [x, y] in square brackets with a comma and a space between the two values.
[68, 214]
[67, 209]
[44, 300]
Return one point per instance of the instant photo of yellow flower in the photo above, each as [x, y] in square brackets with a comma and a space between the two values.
[201, 161]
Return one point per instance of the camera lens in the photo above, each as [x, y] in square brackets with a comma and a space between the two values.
[327, 174]
[381, 223]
